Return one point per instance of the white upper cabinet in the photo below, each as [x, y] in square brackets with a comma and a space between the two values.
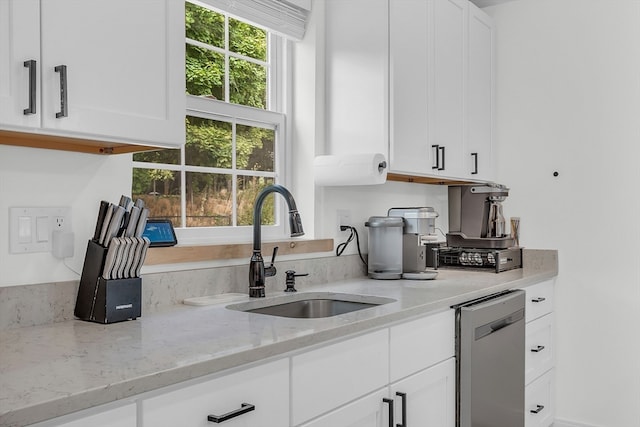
[478, 153]
[19, 63]
[107, 70]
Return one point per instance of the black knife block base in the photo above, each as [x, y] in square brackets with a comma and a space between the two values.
[106, 301]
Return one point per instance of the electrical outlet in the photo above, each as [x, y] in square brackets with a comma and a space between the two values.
[58, 223]
[344, 218]
[31, 229]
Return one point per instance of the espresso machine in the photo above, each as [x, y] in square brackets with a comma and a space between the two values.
[477, 234]
[419, 241]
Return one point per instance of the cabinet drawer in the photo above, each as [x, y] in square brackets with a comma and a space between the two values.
[421, 343]
[266, 387]
[367, 411]
[325, 378]
[539, 348]
[539, 299]
[540, 401]
[124, 416]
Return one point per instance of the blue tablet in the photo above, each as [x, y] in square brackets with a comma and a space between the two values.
[160, 232]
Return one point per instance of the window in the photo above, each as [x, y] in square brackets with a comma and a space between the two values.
[235, 133]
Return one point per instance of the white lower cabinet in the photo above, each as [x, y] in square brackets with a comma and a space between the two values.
[123, 416]
[540, 401]
[368, 411]
[428, 397]
[265, 387]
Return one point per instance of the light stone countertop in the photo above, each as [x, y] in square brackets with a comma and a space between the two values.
[51, 370]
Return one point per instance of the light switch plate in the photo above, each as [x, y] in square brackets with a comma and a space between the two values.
[31, 229]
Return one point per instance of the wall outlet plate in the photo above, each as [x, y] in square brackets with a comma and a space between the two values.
[31, 229]
[344, 218]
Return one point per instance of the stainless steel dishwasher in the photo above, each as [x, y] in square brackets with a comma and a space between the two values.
[490, 351]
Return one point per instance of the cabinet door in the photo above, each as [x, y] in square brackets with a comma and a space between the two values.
[540, 401]
[429, 396]
[266, 387]
[124, 416]
[366, 412]
[478, 153]
[357, 76]
[539, 299]
[19, 42]
[539, 347]
[124, 69]
[447, 86]
[409, 149]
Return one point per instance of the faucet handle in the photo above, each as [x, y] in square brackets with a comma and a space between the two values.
[271, 270]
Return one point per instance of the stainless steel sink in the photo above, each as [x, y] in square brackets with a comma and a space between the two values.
[312, 305]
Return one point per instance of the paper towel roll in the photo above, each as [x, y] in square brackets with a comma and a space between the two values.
[350, 169]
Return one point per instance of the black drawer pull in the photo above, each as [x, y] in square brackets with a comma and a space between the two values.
[31, 65]
[244, 408]
[537, 349]
[62, 69]
[390, 402]
[437, 153]
[538, 409]
[403, 396]
[475, 163]
[539, 299]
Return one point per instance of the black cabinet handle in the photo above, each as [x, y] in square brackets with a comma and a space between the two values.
[539, 299]
[475, 163]
[437, 152]
[62, 69]
[31, 65]
[442, 149]
[537, 410]
[403, 396]
[537, 349]
[390, 402]
[244, 408]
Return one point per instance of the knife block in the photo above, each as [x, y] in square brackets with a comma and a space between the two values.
[105, 301]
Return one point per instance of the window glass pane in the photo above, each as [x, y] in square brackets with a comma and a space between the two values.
[169, 157]
[208, 143]
[204, 72]
[248, 83]
[247, 40]
[160, 190]
[255, 148]
[248, 189]
[209, 199]
[204, 25]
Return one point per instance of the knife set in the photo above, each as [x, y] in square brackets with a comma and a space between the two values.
[110, 286]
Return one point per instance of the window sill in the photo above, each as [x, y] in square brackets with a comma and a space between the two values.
[199, 253]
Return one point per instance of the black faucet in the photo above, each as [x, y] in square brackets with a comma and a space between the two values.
[257, 271]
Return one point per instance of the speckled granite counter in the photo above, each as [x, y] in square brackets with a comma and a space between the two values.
[51, 370]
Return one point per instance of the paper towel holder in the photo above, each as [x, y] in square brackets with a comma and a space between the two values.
[382, 166]
[365, 168]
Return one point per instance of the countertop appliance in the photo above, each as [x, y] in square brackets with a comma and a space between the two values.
[385, 247]
[418, 238]
[496, 259]
[490, 361]
[475, 216]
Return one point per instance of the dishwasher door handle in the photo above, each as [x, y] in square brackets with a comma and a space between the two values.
[495, 326]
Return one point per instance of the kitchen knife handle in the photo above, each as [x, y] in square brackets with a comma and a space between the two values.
[390, 403]
[437, 152]
[244, 408]
[403, 396]
[31, 65]
[475, 163]
[62, 69]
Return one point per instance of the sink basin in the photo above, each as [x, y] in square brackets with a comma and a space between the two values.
[312, 306]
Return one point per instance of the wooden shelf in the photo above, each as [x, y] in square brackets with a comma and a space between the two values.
[426, 180]
[183, 254]
[52, 142]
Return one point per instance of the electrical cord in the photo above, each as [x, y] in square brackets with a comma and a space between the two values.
[342, 246]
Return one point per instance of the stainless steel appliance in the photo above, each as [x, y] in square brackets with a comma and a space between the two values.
[418, 239]
[496, 259]
[475, 217]
[385, 247]
[490, 352]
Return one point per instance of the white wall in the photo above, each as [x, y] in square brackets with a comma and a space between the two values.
[568, 100]
[47, 178]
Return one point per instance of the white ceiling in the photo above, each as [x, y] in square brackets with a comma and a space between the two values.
[486, 3]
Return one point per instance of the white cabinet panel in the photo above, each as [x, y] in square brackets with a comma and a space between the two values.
[421, 343]
[124, 416]
[326, 378]
[19, 42]
[539, 401]
[539, 347]
[122, 82]
[366, 412]
[539, 299]
[430, 396]
[266, 387]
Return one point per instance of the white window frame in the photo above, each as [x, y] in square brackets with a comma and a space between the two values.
[272, 118]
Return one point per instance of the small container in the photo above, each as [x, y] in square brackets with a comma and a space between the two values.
[385, 247]
[417, 220]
